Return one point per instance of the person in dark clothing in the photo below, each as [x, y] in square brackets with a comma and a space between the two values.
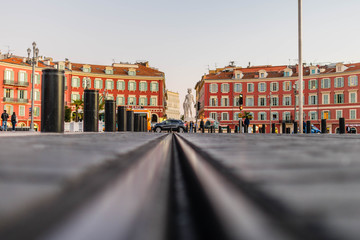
[4, 117]
[246, 123]
[13, 121]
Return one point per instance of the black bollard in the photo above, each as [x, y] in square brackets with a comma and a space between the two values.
[121, 118]
[263, 128]
[308, 127]
[91, 110]
[130, 121]
[323, 126]
[341, 125]
[136, 122]
[220, 129]
[254, 128]
[236, 129]
[52, 101]
[283, 127]
[273, 128]
[141, 123]
[295, 128]
[110, 123]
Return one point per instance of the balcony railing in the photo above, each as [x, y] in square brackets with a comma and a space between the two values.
[16, 83]
[15, 100]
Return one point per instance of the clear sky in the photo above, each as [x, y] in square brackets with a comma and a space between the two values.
[183, 38]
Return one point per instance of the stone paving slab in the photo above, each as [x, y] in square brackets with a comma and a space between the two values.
[35, 166]
[316, 175]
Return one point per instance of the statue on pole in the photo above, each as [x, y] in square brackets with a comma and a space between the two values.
[188, 104]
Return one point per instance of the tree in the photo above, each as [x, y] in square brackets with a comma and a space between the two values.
[77, 104]
[67, 114]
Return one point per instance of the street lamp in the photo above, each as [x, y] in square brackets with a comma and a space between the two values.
[269, 96]
[33, 62]
[295, 92]
[300, 67]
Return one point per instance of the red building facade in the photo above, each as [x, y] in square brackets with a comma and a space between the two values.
[131, 85]
[270, 95]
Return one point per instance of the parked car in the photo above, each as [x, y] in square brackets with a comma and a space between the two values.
[170, 124]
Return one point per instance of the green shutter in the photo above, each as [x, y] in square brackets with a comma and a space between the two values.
[335, 99]
[283, 86]
[157, 86]
[12, 75]
[78, 82]
[26, 77]
[316, 83]
[146, 101]
[335, 83]
[146, 86]
[322, 83]
[309, 84]
[25, 94]
[112, 84]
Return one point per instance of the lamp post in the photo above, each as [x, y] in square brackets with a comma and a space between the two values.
[300, 68]
[270, 109]
[295, 92]
[33, 62]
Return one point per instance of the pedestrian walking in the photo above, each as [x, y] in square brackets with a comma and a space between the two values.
[246, 123]
[13, 121]
[191, 126]
[4, 117]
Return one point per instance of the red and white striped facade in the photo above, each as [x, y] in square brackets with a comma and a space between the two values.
[132, 85]
[330, 91]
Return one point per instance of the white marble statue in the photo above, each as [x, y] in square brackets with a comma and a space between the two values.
[188, 106]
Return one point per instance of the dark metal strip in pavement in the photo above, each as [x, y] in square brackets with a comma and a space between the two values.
[106, 202]
[244, 211]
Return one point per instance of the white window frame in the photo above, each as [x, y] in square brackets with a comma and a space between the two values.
[272, 84]
[262, 87]
[225, 101]
[152, 100]
[22, 110]
[251, 88]
[262, 99]
[213, 87]
[337, 114]
[238, 87]
[247, 101]
[122, 84]
[350, 93]
[354, 111]
[225, 114]
[323, 98]
[211, 99]
[225, 87]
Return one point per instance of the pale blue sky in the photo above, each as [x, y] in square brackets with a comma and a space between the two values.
[182, 38]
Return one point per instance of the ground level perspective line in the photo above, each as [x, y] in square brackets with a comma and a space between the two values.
[180, 186]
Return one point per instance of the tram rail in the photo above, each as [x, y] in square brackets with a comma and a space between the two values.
[169, 189]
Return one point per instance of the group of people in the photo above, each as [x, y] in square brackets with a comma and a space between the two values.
[5, 117]
[190, 126]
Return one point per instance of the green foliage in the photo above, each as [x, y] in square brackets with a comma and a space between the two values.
[67, 114]
[78, 104]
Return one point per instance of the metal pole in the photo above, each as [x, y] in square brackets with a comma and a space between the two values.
[32, 89]
[300, 70]
[270, 110]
